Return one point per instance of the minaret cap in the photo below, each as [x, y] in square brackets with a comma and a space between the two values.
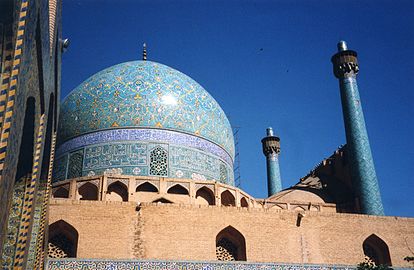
[270, 143]
[269, 131]
[342, 46]
[144, 51]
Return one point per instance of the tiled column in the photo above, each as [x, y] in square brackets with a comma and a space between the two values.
[345, 64]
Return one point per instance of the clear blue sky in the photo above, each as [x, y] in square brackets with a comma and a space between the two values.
[267, 63]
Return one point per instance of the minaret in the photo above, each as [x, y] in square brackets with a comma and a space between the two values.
[345, 66]
[271, 149]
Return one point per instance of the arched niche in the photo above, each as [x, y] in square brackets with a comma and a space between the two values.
[61, 192]
[63, 240]
[88, 191]
[118, 192]
[146, 187]
[178, 189]
[162, 200]
[227, 199]
[230, 245]
[205, 196]
[299, 209]
[243, 202]
[376, 250]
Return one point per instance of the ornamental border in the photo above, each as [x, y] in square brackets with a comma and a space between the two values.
[140, 134]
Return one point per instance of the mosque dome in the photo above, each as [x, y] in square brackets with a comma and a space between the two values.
[144, 102]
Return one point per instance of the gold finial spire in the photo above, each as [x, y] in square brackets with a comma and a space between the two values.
[144, 52]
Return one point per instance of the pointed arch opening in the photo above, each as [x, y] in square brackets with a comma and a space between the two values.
[63, 240]
[243, 202]
[205, 196]
[376, 250]
[227, 199]
[61, 193]
[230, 245]
[117, 191]
[162, 200]
[146, 187]
[88, 191]
[299, 209]
[178, 189]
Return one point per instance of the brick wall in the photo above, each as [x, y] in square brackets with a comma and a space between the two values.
[171, 231]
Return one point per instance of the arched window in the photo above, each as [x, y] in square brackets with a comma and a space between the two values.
[117, 192]
[227, 199]
[376, 250]
[178, 189]
[230, 245]
[88, 191]
[158, 161]
[61, 193]
[75, 164]
[244, 203]
[63, 240]
[146, 187]
[223, 173]
[205, 196]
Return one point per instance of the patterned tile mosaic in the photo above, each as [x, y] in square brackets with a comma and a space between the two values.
[139, 158]
[362, 164]
[144, 94]
[155, 135]
[60, 264]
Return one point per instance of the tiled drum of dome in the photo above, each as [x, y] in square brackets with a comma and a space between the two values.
[144, 94]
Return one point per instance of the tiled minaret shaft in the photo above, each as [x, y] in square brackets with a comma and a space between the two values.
[271, 149]
[345, 65]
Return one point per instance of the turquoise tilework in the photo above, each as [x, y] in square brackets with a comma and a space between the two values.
[59, 264]
[144, 94]
[361, 162]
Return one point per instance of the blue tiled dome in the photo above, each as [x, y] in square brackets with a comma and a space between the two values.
[144, 94]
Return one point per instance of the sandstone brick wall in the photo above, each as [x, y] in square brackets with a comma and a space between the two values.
[106, 229]
[172, 231]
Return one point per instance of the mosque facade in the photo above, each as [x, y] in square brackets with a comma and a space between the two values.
[141, 176]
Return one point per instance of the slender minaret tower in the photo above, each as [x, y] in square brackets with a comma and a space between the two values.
[271, 149]
[345, 66]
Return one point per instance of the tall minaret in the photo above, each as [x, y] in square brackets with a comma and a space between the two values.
[345, 66]
[271, 149]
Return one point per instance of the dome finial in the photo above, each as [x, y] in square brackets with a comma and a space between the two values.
[144, 51]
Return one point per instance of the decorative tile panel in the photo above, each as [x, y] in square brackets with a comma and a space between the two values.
[147, 135]
[113, 152]
[75, 164]
[115, 155]
[75, 264]
[59, 170]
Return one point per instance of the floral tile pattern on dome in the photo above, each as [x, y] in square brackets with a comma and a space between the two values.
[144, 94]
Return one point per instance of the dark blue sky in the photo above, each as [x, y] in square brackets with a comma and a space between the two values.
[267, 63]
